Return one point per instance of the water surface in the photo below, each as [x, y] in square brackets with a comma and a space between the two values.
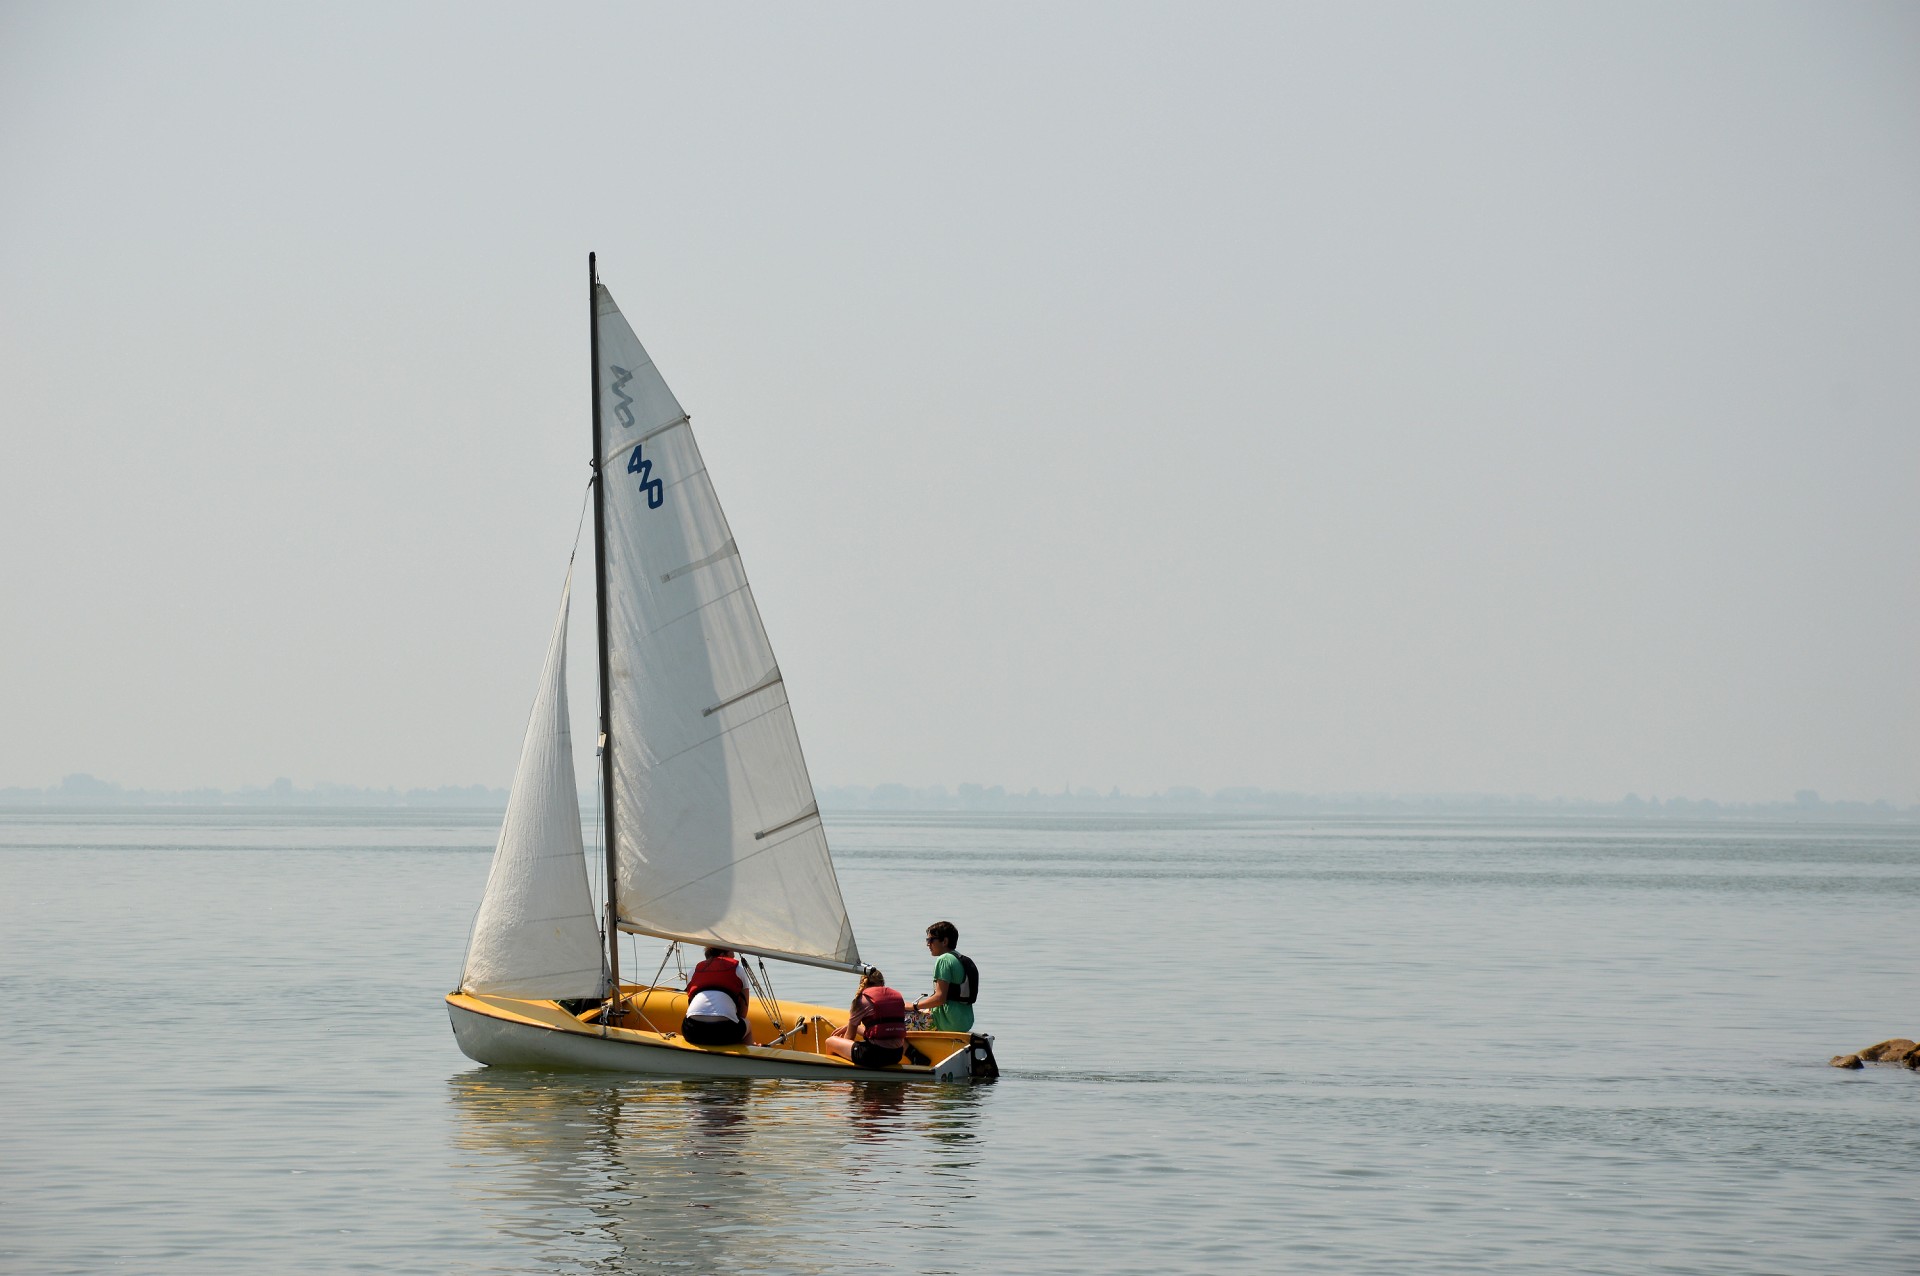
[1229, 1044]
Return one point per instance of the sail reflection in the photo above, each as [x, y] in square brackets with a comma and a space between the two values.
[589, 1173]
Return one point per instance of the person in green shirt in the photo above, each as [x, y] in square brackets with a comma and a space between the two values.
[950, 1014]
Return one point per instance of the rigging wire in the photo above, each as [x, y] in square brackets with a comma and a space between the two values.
[672, 950]
[654, 984]
[600, 859]
[580, 522]
[763, 985]
[599, 842]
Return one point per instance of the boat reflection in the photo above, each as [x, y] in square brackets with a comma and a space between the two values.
[583, 1172]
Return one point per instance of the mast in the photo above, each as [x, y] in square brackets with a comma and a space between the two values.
[600, 607]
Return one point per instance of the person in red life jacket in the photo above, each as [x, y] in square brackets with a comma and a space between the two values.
[876, 1031]
[716, 1002]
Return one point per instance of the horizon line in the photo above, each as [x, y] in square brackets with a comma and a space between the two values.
[82, 788]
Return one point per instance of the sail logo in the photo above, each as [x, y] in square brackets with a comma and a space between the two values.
[623, 410]
[656, 490]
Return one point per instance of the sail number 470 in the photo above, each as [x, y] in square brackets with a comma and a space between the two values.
[656, 490]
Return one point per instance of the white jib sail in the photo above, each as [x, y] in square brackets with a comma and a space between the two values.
[535, 935]
[719, 837]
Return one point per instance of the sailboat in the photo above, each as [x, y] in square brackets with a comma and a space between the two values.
[712, 833]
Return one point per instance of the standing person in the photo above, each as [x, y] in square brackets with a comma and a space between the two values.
[956, 982]
[876, 1031]
[716, 1002]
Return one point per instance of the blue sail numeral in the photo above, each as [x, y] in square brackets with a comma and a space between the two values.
[656, 490]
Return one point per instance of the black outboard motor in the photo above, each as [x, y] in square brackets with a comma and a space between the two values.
[980, 1062]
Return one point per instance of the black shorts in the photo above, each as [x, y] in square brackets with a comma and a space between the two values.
[868, 1055]
[713, 1032]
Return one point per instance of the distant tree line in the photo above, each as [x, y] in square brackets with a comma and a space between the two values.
[1255, 801]
[85, 790]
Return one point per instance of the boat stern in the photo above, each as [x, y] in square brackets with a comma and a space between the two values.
[971, 1062]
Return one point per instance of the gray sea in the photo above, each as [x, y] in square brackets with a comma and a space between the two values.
[1278, 1045]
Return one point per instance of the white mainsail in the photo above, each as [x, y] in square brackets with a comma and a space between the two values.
[719, 840]
[535, 935]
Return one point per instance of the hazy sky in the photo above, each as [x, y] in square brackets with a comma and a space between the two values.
[1495, 398]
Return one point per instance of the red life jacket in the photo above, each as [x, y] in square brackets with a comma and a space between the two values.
[719, 974]
[886, 1021]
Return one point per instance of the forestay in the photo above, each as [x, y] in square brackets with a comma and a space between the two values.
[718, 837]
[535, 935]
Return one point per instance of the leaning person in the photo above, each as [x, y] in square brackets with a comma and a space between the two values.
[876, 1031]
[716, 1002]
[956, 982]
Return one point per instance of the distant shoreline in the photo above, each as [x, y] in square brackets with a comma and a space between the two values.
[85, 791]
[80, 792]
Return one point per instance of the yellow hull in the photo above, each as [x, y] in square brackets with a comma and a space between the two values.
[508, 1032]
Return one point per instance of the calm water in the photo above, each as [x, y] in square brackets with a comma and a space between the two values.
[1281, 1045]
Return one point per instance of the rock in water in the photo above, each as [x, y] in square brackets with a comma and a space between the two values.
[1893, 1050]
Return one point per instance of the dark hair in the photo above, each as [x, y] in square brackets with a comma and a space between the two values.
[719, 952]
[946, 932]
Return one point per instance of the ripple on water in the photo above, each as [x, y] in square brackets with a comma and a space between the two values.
[1259, 1045]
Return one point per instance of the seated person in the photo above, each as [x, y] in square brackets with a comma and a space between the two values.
[716, 1002]
[876, 1031]
[956, 981]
